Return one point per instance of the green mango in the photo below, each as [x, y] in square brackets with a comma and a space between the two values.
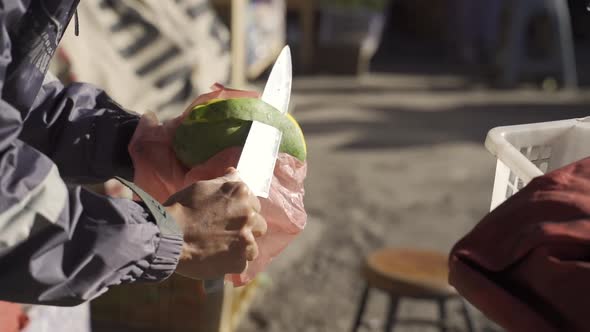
[220, 124]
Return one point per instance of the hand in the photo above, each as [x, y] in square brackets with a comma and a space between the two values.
[220, 219]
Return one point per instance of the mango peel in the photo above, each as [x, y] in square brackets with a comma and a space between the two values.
[220, 124]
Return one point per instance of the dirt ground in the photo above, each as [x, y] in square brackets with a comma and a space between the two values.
[394, 160]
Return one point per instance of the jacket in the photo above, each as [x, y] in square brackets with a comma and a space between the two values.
[59, 243]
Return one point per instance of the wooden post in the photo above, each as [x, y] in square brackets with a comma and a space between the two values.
[226, 315]
[238, 43]
[307, 19]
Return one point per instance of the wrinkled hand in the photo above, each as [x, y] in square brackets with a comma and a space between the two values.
[220, 219]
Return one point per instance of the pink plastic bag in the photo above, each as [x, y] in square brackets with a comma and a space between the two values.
[160, 173]
[12, 317]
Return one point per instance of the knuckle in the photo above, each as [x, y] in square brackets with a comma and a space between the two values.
[244, 236]
[241, 190]
[225, 247]
[244, 213]
[251, 215]
[235, 189]
[228, 187]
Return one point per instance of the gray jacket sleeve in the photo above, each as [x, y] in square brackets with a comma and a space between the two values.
[61, 244]
[82, 130]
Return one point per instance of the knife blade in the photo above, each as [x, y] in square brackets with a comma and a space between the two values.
[259, 155]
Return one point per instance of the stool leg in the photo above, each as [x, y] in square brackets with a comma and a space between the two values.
[467, 316]
[359, 315]
[391, 314]
[442, 314]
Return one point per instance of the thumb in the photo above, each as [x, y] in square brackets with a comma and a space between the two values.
[232, 174]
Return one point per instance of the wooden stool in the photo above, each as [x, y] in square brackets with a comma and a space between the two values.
[408, 273]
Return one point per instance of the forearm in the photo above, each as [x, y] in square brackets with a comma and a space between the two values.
[82, 130]
[63, 246]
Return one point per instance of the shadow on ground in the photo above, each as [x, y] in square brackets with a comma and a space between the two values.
[404, 127]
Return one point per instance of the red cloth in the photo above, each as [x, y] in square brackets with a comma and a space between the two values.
[526, 265]
[12, 317]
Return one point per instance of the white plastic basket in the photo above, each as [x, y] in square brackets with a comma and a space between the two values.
[527, 151]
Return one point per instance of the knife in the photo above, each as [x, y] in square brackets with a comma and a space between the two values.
[259, 155]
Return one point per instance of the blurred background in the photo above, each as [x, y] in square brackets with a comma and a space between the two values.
[395, 99]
